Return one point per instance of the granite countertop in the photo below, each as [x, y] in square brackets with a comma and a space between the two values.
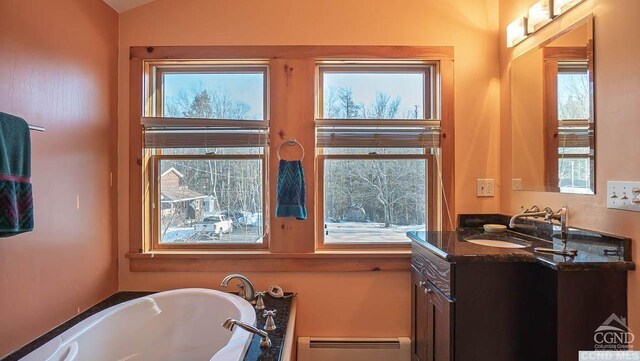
[254, 352]
[596, 251]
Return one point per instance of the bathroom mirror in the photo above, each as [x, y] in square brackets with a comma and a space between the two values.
[552, 114]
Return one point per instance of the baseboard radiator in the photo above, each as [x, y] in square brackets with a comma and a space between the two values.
[354, 349]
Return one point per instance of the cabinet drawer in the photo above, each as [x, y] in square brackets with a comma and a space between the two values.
[434, 269]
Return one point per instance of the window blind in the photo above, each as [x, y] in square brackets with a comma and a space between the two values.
[575, 67]
[377, 133]
[575, 134]
[203, 133]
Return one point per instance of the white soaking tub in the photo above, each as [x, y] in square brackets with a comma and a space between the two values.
[183, 324]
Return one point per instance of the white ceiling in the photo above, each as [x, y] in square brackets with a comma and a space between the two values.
[123, 5]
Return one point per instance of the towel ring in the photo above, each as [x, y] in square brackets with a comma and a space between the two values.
[291, 142]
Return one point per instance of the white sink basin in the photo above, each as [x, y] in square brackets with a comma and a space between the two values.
[497, 243]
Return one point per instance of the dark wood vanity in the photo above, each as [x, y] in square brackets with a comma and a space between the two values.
[472, 302]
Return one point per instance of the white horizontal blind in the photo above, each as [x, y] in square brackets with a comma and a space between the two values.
[575, 134]
[575, 67]
[390, 133]
[204, 138]
[199, 133]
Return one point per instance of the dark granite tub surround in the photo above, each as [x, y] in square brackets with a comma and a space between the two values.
[595, 250]
[277, 336]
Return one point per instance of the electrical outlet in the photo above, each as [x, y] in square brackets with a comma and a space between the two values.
[516, 184]
[484, 188]
[623, 195]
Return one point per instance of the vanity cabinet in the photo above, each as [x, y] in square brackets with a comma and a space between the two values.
[432, 321]
[488, 308]
[471, 311]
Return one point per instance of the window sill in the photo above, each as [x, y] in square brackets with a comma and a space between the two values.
[263, 261]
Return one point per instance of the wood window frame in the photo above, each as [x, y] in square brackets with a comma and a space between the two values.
[154, 79]
[430, 196]
[291, 114]
[155, 243]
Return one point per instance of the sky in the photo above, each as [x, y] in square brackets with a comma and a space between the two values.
[408, 86]
[248, 87]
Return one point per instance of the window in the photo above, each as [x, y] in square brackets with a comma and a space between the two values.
[374, 198]
[575, 154]
[376, 92]
[574, 99]
[205, 140]
[377, 138]
[202, 181]
[220, 92]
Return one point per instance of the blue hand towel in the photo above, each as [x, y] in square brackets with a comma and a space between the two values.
[16, 199]
[291, 191]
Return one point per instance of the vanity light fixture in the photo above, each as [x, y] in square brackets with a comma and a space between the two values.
[562, 6]
[539, 15]
[516, 32]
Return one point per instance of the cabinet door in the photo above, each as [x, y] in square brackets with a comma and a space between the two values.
[419, 317]
[439, 327]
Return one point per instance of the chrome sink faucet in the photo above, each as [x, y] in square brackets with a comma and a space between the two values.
[549, 216]
[249, 291]
[561, 216]
[533, 212]
[230, 324]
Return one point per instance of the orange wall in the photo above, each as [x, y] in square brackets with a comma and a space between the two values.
[58, 69]
[339, 304]
[617, 77]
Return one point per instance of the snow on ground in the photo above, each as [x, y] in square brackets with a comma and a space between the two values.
[242, 234]
[340, 232]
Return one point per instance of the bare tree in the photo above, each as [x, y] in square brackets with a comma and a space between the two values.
[391, 192]
[203, 103]
[413, 113]
[573, 96]
[340, 104]
[384, 107]
[233, 185]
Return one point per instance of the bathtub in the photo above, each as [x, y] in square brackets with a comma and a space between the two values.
[183, 324]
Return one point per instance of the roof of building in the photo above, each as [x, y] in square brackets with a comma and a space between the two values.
[172, 170]
[179, 195]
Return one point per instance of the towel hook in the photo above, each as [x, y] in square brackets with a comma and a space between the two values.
[291, 142]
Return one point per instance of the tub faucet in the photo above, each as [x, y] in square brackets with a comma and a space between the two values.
[230, 324]
[249, 289]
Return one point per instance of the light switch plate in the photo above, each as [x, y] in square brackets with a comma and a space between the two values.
[516, 184]
[484, 188]
[623, 195]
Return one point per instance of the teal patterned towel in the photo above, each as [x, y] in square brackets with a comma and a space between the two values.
[16, 200]
[291, 191]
